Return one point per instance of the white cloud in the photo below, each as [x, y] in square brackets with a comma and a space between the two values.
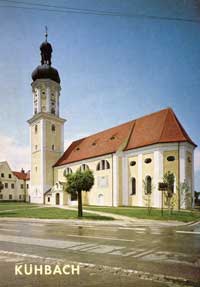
[197, 160]
[16, 155]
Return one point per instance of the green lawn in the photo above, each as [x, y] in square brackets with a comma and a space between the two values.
[15, 205]
[50, 213]
[140, 212]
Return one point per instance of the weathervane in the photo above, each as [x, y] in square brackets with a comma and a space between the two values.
[46, 32]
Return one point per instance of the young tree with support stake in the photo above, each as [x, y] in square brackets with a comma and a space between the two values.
[78, 182]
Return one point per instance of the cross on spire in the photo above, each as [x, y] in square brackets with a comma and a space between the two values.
[46, 32]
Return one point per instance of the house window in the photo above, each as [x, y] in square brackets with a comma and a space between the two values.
[103, 164]
[12, 185]
[10, 175]
[36, 129]
[133, 186]
[148, 184]
[22, 186]
[10, 196]
[53, 128]
[2, 174]
[1, 196]
[84, 167]
[48, 199]
[6, 185]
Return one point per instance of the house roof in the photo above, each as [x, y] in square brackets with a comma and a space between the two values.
[22, 175]
[159, 127]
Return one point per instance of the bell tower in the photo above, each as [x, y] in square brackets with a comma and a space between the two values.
[46, 126]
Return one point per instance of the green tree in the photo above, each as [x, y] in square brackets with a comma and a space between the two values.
[78, 182]
[169, 179]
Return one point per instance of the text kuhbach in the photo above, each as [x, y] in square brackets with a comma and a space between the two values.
[39, 269]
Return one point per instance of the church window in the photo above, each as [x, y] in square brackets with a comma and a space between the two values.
[35, 111]
[133, 186]
[53, 128]
[74, 196]
[53, 111]
[132, 163]
[68, 170]
[148, 183]
[36, 129]
[84, 167]
[148, 160]
[53, 147]
[171, 158]
[36, 147]
[103, 164]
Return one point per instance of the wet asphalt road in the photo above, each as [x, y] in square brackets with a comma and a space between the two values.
[136, 254]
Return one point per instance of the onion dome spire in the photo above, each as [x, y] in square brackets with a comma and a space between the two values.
[45, 70]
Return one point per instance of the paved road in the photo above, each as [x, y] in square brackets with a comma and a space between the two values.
[136, 254]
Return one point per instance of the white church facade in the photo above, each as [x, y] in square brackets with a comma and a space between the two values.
[122, 158]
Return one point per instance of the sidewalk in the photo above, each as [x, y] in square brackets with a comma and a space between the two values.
[129, 220]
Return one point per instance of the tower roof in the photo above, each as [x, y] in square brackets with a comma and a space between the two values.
[159, 127]
[45, 71]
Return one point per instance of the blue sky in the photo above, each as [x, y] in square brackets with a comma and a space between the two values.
[112, 69]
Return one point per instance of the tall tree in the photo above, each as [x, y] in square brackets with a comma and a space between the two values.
[169, 179]
[78, 182]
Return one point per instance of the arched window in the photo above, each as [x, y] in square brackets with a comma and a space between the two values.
[67, 171]
[84, 167]
[148, 184]
[53, 128]
[36, 129]
[103, 164]
[133, 186]
[53, 111]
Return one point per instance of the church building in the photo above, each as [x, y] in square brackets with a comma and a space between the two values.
[123, 159]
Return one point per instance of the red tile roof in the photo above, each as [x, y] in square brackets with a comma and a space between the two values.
[159, 127]
[22, 175]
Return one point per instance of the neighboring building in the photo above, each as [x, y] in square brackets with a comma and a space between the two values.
[122, 158]
[15, 184]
